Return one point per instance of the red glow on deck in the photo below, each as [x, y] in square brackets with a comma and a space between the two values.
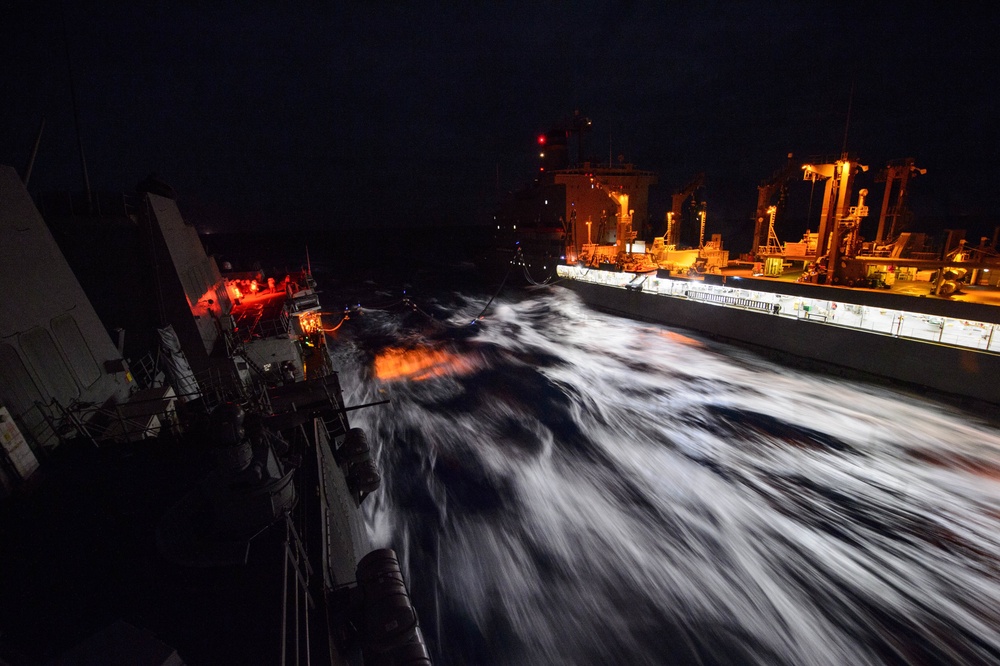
[206, 303]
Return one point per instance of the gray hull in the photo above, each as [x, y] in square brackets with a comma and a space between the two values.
[949, 370]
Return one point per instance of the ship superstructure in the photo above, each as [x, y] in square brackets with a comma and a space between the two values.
[54, 350]
[569, 209]
[221, 481]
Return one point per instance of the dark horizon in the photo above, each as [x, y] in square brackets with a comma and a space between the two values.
[374, 116]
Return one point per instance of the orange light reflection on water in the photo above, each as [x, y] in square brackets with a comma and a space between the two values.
[418, 364]
[681, 339]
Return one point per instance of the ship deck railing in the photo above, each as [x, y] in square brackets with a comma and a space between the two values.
[148, 413]
[260, 315]
[931, 329]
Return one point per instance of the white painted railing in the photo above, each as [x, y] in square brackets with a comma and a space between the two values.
[897, 323]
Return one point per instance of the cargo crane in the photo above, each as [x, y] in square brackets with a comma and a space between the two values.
[569, 231]
[624, 235]
[778, 184]
[845, 243]
[837, 239]
[773, 246]
[673, 232]
[839, 177]
[621, 253]
[897, 171]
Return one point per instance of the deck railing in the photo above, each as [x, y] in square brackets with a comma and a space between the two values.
[963, 333]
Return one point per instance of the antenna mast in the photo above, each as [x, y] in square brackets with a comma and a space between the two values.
[847, 123]
[76, 111]
[34, 153]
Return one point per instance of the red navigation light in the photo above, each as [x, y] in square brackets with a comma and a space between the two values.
[541, 139]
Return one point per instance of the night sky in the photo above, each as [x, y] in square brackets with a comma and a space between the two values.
[412, 114]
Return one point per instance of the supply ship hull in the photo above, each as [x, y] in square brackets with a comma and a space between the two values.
[944, 346]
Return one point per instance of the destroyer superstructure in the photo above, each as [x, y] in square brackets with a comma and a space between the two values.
[203, 503]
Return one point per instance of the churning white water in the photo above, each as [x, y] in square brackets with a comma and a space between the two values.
[568, 487]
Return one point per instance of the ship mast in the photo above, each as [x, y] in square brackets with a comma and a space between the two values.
[76, 111]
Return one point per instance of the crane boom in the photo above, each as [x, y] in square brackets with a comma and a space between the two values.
[777, 184]
[677, 206]
[897, 171]
[624, 234]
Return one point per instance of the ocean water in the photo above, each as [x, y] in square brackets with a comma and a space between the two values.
[569, 487]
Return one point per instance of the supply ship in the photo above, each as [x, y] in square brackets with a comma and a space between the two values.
[562, 210]
[201, 503]
[892, 308]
